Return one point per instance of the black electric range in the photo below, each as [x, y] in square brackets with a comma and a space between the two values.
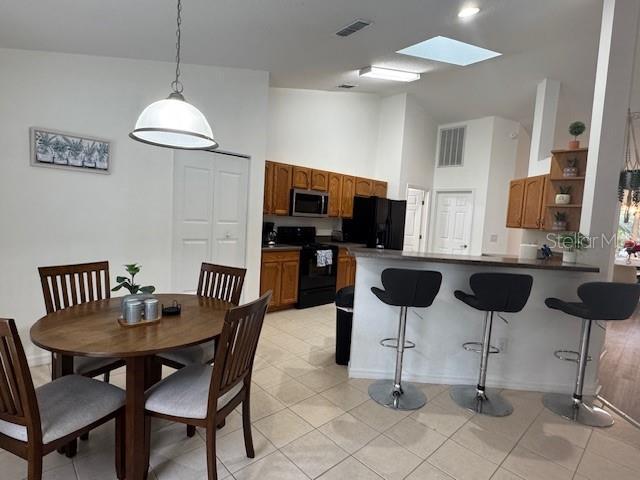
[317, 277]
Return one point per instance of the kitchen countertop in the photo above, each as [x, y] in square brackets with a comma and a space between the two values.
[347, 245]
[281, 248]
[484, 260]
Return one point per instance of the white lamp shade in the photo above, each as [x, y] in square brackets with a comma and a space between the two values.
[174, 123]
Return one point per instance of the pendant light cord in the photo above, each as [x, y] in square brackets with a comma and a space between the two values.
[176, 85]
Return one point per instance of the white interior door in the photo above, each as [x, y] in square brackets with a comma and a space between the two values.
[414, 219]
[452, 230]
[210, 213]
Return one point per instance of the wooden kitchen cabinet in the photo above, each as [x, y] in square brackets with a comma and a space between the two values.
[379, 189]
[267, 206]
[364, 187]
[271, 279]
[348, 192]
[289, 281]
[319, 180]
[516, 202]
[301, 177]
[346, 273]
[279, 273]
[282, 180]
[532, 203]
[335, 194]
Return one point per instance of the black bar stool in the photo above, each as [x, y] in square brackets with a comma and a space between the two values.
[493, 293]
[600, 301]
[404, 289]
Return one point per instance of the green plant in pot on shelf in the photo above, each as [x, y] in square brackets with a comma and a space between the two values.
[576, 129]
[129, 282]
[559, 221]
[563, 197]
[571, 244]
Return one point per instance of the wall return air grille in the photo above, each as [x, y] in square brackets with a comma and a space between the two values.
[451, 147]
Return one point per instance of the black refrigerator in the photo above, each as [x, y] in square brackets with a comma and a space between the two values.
[377, 222]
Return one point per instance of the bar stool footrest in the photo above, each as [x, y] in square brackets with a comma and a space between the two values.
[477, 347]
[569, 356]
[393, 343]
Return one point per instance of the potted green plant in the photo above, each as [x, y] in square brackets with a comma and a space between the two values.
[129, 283]
[571, 170]
[559, 221]
[564, 195]
[571, 244]
[576, 129]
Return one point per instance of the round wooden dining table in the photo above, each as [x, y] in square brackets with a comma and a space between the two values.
[92, 330]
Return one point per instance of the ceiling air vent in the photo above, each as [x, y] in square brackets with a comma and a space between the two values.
[346, 86]
[353, 28]
[451, 147]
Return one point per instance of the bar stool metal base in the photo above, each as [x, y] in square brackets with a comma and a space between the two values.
[383, 393]
[579, 412]
[489, 403]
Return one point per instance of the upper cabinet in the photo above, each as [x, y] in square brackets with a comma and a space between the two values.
[516, 202]
[379, 189]
[550, 202]
[301, 177]
[319, 180]
[267, 207]
[335, 194]
[280, 178]
[348, 191]
[282, 181]
[532, 205]
[364, 187]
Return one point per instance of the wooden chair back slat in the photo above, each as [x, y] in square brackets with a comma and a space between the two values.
[18, 402]
[236, 347]
[66, 285]
[221, 282]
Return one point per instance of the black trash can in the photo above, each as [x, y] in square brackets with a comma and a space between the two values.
[344, 322]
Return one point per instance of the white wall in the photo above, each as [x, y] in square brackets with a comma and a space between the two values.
[504, 152]
[418, 147]
[53, 217]
[388, 165]
[336, 131]
[471, 176]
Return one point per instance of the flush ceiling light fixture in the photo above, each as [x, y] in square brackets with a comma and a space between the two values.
[389, 74]
[173, 122]
[468, 12]
[448, 50]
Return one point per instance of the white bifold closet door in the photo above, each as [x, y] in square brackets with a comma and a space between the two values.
[210, 192]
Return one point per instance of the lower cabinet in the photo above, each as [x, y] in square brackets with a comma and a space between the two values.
[346, 274]
[279, 273]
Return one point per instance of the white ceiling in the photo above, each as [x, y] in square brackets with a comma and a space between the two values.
[295, 41]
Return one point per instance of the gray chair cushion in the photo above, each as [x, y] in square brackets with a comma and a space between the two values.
[196, 355]
[82, 365]
[68, 404]
[185, 393]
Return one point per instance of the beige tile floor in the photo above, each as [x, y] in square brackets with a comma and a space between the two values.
[311, 421]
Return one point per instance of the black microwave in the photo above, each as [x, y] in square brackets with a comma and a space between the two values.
[309, 203]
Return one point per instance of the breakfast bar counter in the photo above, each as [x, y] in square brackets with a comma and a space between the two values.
[527, 342]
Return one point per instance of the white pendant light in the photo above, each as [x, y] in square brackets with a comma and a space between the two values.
[173, 122]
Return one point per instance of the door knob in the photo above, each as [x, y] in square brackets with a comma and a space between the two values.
[465, 246]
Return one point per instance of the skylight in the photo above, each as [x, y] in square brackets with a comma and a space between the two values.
[448, 50]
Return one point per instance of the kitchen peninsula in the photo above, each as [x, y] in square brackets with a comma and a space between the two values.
[526, 362]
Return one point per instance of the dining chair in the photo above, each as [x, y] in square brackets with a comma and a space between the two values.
[203, 395]
[36, 421]
[219, 282]
[64, 286]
